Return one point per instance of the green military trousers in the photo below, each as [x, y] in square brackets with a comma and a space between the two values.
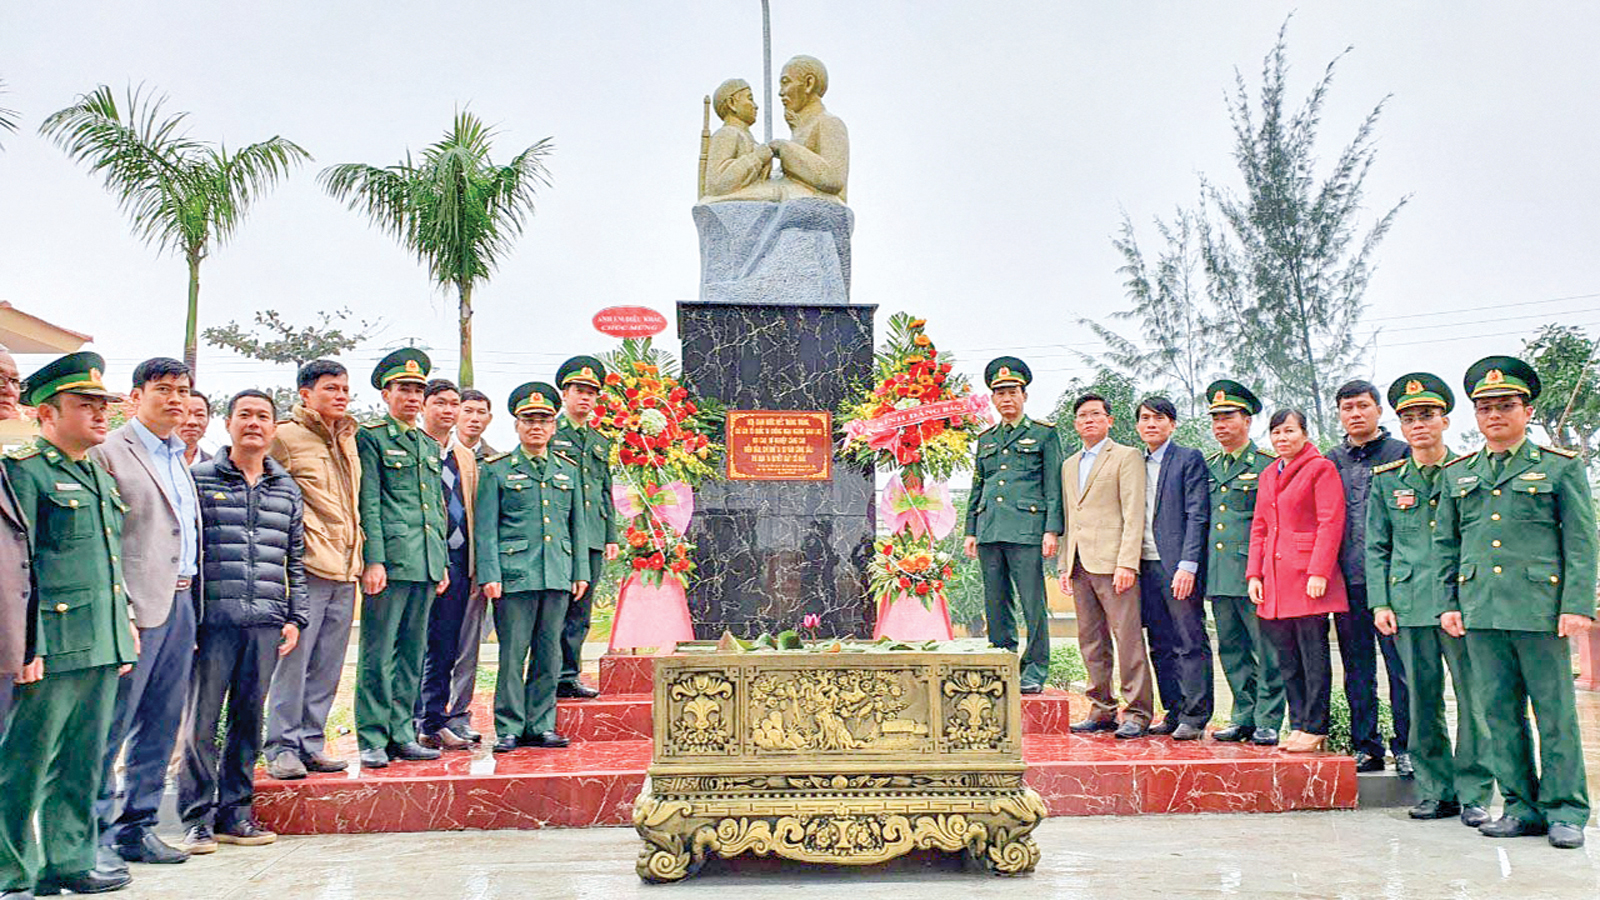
[1004, 565]
[529, 624]
[1510, 669]
[394, 637]
[1462, 775]
[50, 763]
[580, 613]
[1250, 663]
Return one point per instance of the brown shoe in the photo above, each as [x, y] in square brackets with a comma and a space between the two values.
[444, 739]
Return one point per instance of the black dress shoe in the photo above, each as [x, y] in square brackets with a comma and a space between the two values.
[1187, 732]
[1265, 737]
[1510, 827]
[505, 743]
[474, 736]
[545, 739]
[1129, 730]
[142, 846]
[1089, 726]
[322, 762]
[1565, 837]
[411, 751]
[17, 895]
[1234, 734]
[1435, 809]
[1165, 726]
[1029, 687]
[1366, 762]
[107, 861]
[576, 689]
[1403, 767]
[1473, 816]
[93, 881]
[374, 758]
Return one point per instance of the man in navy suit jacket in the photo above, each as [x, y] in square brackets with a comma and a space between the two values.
[1172, 572]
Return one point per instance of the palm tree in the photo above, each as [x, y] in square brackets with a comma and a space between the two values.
[455, 209]
[180, 194]
[8, 117]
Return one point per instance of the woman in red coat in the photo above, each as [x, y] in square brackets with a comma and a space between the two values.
[1294, 572]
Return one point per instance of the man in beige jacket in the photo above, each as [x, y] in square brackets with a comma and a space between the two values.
[318, 447]
[1102, 489]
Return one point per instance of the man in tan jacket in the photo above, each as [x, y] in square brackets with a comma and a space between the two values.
[1102, 489]
[318, 446]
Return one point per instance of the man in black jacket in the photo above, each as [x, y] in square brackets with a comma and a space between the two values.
[253, 590]
[1366, 445]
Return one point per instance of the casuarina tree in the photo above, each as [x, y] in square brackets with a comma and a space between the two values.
[458, 211]
[180, 194]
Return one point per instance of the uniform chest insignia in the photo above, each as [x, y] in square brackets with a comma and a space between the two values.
[1027, 441]
[1405, 498]
[68, 486]
[1467, 480]
[394, 451]
[1248, 476]
[562, 443]
[517, 476]
[561, 476]
[1532, 476]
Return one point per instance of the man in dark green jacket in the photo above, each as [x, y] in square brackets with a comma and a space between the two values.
[1402, 512]
[580, 379]
[402, 523]
[530, 534]
[1014, 517]
[1516, 543]
[1249, 661]
[50, 756]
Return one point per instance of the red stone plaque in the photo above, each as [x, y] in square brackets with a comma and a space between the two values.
[780, 445]
[629, 321]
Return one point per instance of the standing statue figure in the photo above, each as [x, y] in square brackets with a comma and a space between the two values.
[816, 158]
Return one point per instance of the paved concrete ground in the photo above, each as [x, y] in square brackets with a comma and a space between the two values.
[1356, 855]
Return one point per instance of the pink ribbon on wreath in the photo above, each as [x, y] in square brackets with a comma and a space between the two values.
[929, 509]
[671, 503]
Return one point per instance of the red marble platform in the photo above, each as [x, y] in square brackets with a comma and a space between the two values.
[595, 781]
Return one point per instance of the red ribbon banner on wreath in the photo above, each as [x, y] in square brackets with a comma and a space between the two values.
[889, 423]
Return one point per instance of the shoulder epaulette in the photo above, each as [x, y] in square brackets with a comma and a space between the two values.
[1214, 457]
[377, 424]
[1460, 459]
[27, 452]
[1046, 423]
[496, 457]
[1268, 452]
[1559, 451]
[1390, 466]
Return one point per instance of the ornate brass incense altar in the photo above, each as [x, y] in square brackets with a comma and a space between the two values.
[852, 758]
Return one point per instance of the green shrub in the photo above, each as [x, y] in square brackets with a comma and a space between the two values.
[1339, 720]
[1066, 666]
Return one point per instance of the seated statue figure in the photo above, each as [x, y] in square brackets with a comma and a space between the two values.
[736, 167]
[815, 159]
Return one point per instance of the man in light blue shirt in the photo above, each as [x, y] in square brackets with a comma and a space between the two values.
[160, 559]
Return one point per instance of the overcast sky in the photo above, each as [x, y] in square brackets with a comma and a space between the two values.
[993, 149]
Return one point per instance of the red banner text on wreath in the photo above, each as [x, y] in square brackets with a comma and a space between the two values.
[927, 412]
[629, 321]
[774, 445]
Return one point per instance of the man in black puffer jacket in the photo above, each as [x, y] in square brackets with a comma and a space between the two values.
[253, 590]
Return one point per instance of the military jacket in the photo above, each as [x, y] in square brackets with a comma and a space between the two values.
[1016, 484]
[1402, 515]
[75, 515]
[1233, 504]
[529, 524]
[591, 451]
[1517, 550]
[401, 501]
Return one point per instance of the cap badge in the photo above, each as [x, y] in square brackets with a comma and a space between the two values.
[1220, 397]
[412, 367]
[1413, 387]
[1494, 376]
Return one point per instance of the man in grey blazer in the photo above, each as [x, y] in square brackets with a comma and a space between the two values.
[19, 603]
[161, 554]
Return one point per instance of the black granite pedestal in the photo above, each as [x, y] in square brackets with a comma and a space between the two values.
[771, 552]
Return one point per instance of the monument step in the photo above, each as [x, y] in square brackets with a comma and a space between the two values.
[595, 783]
[627, 716]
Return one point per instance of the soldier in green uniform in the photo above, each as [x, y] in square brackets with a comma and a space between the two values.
[1401, 518]
[1249, 661]
[50, 755]
[1014, 517]
[402, 522]
[530, 529]
[580, 379]
[1516, 556]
